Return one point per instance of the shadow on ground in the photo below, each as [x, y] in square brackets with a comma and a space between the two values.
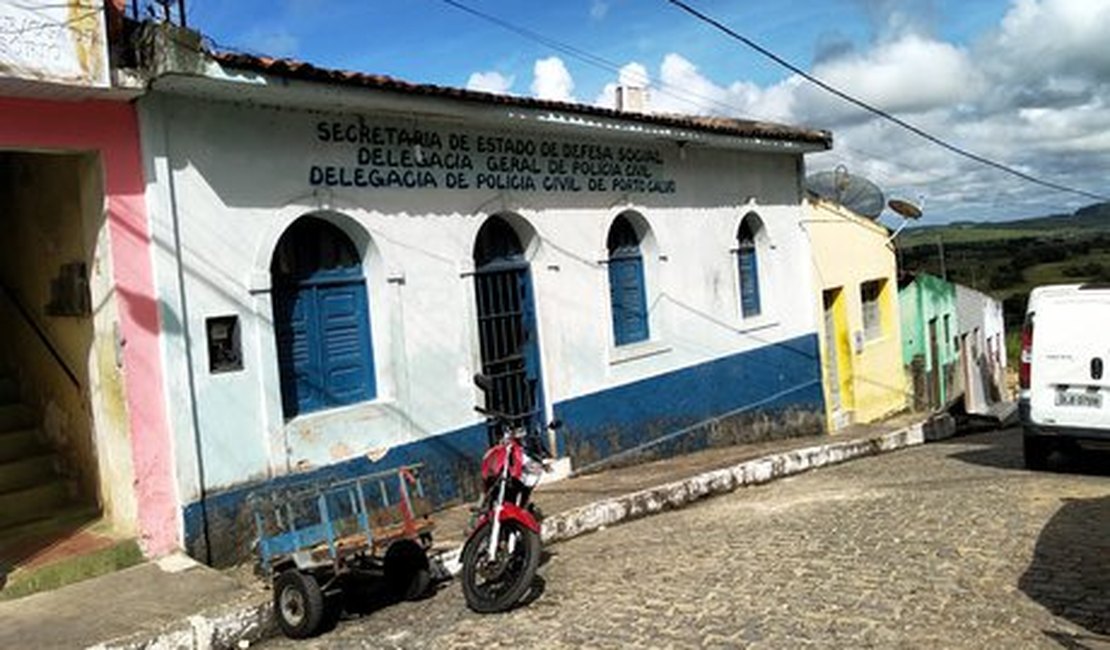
[1002, 449]
[1070, 571]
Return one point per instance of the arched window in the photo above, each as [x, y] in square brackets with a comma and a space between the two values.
[747, 261]
[626, 283]
[321, 319]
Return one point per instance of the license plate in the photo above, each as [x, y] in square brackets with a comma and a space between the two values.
[1075, 398]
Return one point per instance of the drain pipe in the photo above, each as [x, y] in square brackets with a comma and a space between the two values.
[187, 339]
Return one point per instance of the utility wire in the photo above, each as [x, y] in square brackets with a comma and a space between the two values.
[691, 97]
[880, 112]
[682, 94]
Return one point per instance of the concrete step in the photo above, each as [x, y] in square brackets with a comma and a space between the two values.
[16, 445]
[9, 392]
[29, 471]
[15, 416]
[30, 504]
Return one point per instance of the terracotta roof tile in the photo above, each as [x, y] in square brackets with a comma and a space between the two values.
[718, 125]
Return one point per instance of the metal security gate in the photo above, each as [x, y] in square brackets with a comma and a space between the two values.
[506, 325]
[507, 337]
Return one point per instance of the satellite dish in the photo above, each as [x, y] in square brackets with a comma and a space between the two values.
[905, 208]
[853, 192]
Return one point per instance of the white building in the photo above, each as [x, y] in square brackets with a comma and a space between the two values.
[982, 337]
[337, 254]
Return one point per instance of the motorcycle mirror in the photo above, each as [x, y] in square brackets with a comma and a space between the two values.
[555, 424]
[483, 382]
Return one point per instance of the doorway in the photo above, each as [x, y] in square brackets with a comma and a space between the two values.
[507, 324]
[838, 359]
[64, 426]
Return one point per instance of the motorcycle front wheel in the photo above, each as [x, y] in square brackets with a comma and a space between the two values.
[497, 584]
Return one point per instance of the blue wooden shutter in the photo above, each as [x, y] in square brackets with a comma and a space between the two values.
[629, 303]
[326, 331]
[346, 358]
[295, 328]
[749, 279]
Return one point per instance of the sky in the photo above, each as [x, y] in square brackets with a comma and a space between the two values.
[1022, 82]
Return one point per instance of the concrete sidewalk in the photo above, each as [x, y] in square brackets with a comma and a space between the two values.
[177, 603]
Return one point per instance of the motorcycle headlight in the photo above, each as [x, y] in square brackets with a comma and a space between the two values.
[531, 473]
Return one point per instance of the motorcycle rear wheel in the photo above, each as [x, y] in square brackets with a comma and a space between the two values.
[497, 585]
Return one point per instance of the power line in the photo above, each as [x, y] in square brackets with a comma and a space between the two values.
[880, 112]
[691, 97]
[683, 94]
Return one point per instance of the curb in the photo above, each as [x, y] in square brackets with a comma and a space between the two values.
[238, 625]
[678, 494]
[233, 625]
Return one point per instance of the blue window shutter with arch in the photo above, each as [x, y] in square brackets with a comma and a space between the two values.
[627, 298]
[321, 320]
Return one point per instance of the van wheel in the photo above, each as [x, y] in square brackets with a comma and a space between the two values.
[1036, 451]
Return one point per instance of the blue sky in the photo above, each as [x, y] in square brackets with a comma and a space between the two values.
[1023, 81]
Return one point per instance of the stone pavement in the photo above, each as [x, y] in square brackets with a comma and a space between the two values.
[948, 545]
[187, 606]
[150, 601]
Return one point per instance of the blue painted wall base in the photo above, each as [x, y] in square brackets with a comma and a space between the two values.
[769, 392]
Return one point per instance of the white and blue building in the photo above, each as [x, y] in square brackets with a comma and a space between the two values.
[337, 254]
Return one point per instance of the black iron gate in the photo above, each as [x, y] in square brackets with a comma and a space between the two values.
[507, 325]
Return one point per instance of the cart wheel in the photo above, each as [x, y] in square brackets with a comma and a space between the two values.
[418, 584]
[298, 604]
[406, 571]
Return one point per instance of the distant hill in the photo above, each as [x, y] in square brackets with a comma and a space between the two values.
[1091, 219]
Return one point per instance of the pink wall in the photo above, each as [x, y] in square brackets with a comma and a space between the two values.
[111, 128]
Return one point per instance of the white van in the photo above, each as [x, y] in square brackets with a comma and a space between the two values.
[1065, 369]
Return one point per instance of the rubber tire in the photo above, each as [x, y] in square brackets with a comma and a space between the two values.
[419, 584]
[1035, 450]
[507, 600]
[407, 573]
[306, 591]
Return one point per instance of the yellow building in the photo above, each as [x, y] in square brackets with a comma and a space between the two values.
[857, 305]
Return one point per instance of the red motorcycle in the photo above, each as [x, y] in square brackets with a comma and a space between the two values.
[502, 553]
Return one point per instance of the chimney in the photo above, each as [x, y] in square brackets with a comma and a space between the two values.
[632, 99]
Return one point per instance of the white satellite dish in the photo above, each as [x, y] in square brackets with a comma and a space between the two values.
[908, 211]
[843, 188]
[904, 208]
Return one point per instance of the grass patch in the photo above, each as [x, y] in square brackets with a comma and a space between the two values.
[118, 556]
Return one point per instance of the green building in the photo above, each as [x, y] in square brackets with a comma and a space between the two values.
[929, 328]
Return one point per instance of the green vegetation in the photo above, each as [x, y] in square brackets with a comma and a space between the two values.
[1084, 222]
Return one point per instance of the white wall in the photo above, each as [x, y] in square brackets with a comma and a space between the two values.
[226, 180]
[980, 323]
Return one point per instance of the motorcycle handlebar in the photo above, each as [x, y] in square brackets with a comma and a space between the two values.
[493, 414]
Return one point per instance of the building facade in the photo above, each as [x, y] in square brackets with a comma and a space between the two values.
[856, 282]
[83, 432]
[929, 328]
[337, 254]
[982, 349]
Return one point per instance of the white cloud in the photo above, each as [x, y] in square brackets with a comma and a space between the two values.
[490, 82]
[552, 80]
[1032, 93]
[632, 74]
[1040, 37]
[910, 75]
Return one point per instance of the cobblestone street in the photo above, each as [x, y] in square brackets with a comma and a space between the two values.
[946, 545]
